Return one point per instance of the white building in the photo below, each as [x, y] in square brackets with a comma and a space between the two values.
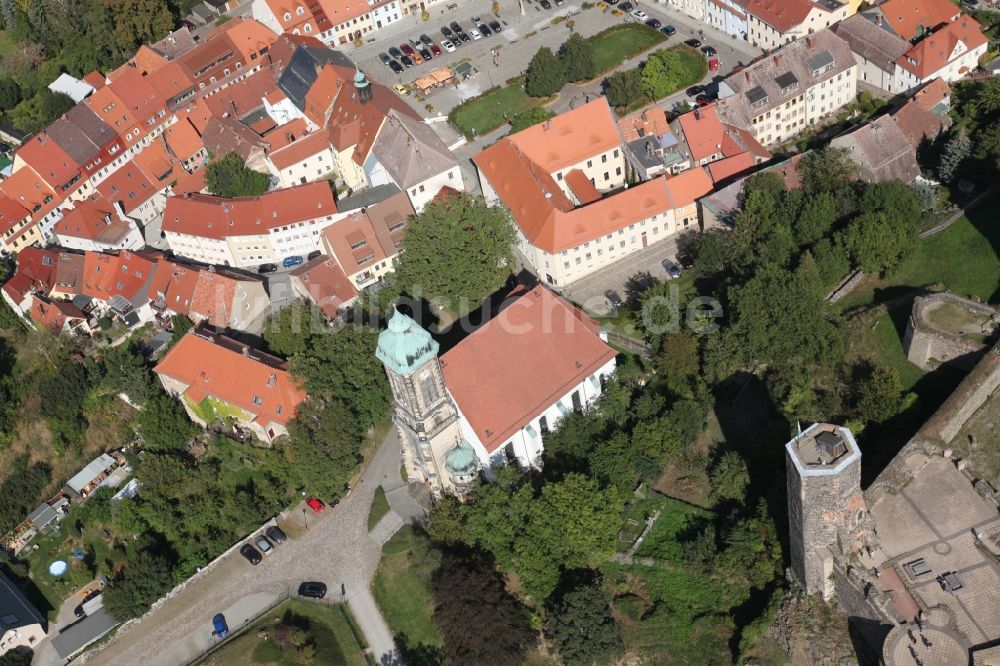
[493, 397]
[305, 160]
[93, 225]
[773, 23]
[21, 625]
[730, 16]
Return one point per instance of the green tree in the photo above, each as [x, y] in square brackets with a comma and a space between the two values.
[582, 629]
[878, 243]
[144, 580]
[179, 326]
[456, 237]
[163, 424]
[479, 620]
[35, 113]
[125, 371]
[656, 78]
[729, 477]
[324, 447]
[138, 22]
[827, 170]
[532, 116]
[577, 55]
[880, 393]
[752, 557]
[10, 93]
[956, 151]
[546, 76]
[290, 331]
[624, 87]
[816, 218]
[230, 177]
[21, 491]
[341, 366]
[678, 359]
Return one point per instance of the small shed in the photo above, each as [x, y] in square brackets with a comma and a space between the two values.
[73, 87]
[43, 516]
[438, 77]
[91, 476]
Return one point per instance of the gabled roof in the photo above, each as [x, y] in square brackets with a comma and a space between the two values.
[782, 15]
[241, 97]
[327, 285]
[94, 220]
[171, 82]
[26, 188]
[882, 151]
[911, 18]
[703, 132]
[48, 160]
[503, 380]
[53, 315]
[214, 365]
[301, 71]
[650, 122]
[371, 234]
[283, 135]
[123, 273]
[410, 150]
[933, 53]
[11, 213]
[183, 139]
[36, 270]
[300, 149]
[218, 217]
[128, 185]
[228, 135]
[213, 297]
[874, 43]
[924, 116]
[569, 138]
[156, 162]
[728, 167]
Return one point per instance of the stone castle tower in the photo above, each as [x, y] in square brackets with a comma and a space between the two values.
[434, 450]
[827, 516]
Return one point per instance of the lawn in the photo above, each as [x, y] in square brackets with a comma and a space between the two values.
[329, 629]
[7, 44]
[380, 507]
[614, 45]
[402, 588]
[962, 259]
[492, 109]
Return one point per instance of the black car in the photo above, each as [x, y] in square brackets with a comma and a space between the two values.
[464, 36]
[396, 67]
[267, 268]
[495, 26]
[709, 51]
[612, 2]
[694, 91]
[384, 57]
[407, 61]
[685, 260]
[252, 554]
[693, 43]
[613, 298]
[425, 54]
[276, 535]
[546, 4]
[312, 255]
[626, 7]
[456, 27]
[78, 611]
[395, 53]
[484, 30]
[447, 32]
[426, 40]
[654, 23]
[312, 589]
[671, 268]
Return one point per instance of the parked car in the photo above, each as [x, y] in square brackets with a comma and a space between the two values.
[693, 43]
[315, 504]
[396, 67]
[613, 298]
[654, 23]
[275, 534]
[435, 49]
[612, 2]
[219, 627]
[626, 7]
[713, 65]
[495, 26]
[448, 46]
[641, 15]
[559, 3]
[407, 61]
[546, 4]
[446, 32]
[685, 260]
[669, 30]
[417, 58]
[407, 49]
[264, 545]
[456, 27]
[671, 268]
[384, 57]
[312, 589]
[426, 40]
[475, 34]
[267, 268]
[294, 260]
[426, 54]
[694, 91]
[395, 53]
[463, 36]
[709, 51]
[249, 552]
[484, 30]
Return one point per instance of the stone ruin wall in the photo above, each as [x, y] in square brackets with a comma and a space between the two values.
[927, 346]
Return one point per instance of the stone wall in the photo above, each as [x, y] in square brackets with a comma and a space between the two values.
[846, 286]
[928, 346]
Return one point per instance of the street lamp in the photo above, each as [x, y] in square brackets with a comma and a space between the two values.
[305, 521]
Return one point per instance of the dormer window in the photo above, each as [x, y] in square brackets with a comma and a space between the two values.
[288, 16]
[757, 97]
[299, 10]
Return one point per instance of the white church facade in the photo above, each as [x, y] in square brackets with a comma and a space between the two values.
[491, 399]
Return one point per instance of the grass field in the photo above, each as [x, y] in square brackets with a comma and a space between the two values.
[327, 628]
[380, 507]
[494, 108]
[402, 588]
[614, 45]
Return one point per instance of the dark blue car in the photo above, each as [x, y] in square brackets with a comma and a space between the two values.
[291, 261]
[220, 626]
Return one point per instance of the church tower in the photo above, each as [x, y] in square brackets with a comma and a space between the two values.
[827, 516]
[428, 421]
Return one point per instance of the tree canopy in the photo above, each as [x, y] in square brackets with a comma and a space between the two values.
[546, 74]
[577, 55]
[230, 177]
[581, 627]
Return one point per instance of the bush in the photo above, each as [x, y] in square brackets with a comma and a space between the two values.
[546, 75]
[230, 177]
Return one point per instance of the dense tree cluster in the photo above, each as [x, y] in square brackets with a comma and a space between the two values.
[230, 177]
[549, 72]
[662, 73]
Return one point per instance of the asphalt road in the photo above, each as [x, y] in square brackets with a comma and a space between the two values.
[335, 549]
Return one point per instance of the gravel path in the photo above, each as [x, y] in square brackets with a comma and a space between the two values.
[335, 549]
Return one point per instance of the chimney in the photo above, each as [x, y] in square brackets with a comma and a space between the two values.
[878, 20]
[246, 351]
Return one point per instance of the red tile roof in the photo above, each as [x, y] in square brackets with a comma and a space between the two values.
[53, 315]
[213, 365]
[94, 220]
[651, 122]
[96, 79]
[130, 186]
[581, 186]
[106, 275]
[36, 270]
[183, 139]
[502, 380]
[327, 285]
[933, 53]
[218, 217]
[241, 97]
[569, 138]
[703, 132]
[48, 160]
[301, 149]
[782, 15]
[11, 213]
[728, 167]
[189, 183]
[907, 18]
[174, 284]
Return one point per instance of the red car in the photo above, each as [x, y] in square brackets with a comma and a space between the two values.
[315, 504]
[407, 49]
[436, 50]
[713, 65]
[702, 100]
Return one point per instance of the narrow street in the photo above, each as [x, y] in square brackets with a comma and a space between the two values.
[335, 549]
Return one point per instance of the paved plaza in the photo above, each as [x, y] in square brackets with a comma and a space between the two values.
[935, 518]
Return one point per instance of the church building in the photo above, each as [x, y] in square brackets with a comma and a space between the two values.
[491, 399]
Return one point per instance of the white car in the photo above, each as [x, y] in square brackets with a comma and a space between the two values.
[641, 15]
[475, 34]
[447, 46]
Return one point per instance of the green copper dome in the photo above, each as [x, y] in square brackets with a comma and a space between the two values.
[461, 460]
[404, 346]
